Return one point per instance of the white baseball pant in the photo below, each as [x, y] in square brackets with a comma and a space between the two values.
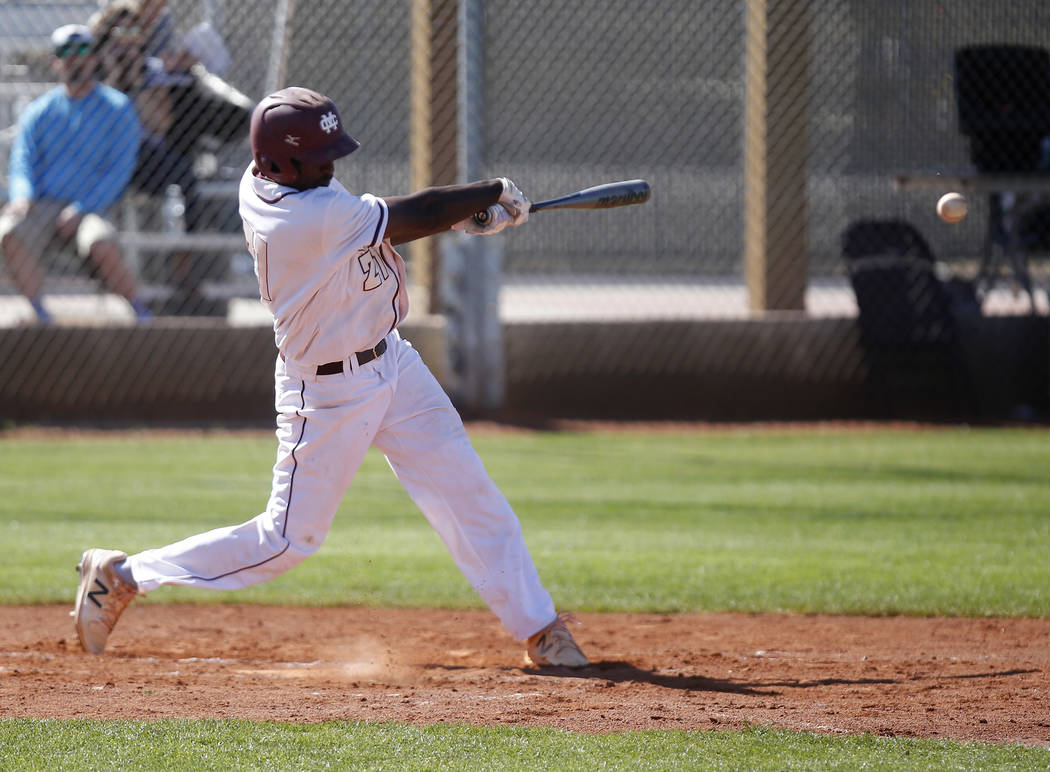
[325, 425]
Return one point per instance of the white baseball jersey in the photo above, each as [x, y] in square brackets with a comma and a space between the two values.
[334, 284]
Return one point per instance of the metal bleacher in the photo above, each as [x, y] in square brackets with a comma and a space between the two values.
[139, 241]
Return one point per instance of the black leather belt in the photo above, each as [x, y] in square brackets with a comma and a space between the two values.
[334, 368]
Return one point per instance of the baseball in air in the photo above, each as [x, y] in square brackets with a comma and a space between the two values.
[952, 207]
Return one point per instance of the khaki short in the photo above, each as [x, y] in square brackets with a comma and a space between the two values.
[37, 229]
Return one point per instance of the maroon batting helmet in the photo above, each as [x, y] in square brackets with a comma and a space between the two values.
[296, 124]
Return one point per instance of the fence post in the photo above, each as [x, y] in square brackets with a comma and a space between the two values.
[458, 275]
[279, 44]
[434, 138]
[776, 223]
[484, 376]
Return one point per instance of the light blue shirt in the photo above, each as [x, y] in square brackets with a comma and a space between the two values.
[81, 151]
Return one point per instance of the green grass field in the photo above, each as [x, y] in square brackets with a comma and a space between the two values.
[944, 522]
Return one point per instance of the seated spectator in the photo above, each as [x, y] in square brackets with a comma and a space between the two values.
[202, 44]
[177, 111]
[125, 66]
[154, 19]
[158, 26]
[70, 161]
[196, 103]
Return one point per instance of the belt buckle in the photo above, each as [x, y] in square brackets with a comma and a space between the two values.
[363, 357]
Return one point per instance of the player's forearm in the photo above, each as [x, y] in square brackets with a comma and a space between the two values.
[434, 210]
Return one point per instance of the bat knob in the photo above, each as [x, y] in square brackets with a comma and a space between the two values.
[481, 219]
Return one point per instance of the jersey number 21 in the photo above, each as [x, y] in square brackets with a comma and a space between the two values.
[374, 267]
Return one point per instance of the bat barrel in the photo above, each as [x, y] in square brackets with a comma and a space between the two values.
[607, 196]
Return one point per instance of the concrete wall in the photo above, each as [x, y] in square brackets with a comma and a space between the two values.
[783, 367]
[790, 368]
[712, 370]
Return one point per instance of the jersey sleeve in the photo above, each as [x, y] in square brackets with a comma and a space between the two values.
[22, 171]
[355, 223]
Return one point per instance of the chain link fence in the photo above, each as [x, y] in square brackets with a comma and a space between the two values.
[787, 145]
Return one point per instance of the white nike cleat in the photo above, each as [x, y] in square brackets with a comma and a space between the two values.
[554, 645]
[101, 598]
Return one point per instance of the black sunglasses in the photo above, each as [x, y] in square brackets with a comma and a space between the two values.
[73, 49]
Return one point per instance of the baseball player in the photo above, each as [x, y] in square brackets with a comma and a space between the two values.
[345, 380]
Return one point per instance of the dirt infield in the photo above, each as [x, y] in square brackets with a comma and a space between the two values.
[966, 679]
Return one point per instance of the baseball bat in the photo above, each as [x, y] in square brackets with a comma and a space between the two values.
[607, 196]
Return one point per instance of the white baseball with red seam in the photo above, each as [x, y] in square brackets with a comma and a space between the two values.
[952, 207]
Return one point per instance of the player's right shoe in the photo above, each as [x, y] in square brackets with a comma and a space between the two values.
[101, 598]
[554, 645]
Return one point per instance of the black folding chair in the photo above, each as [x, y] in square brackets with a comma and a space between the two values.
[908, 320]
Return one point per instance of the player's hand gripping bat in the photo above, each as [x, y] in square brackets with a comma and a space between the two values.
[607, 196]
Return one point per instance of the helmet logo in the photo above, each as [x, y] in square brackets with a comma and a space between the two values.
[291, 140]
[329, 122]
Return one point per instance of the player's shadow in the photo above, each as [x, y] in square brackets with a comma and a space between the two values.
[618, 672]
[992, 674]
[862, 681]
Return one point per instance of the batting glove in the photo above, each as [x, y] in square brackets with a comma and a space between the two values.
[515, 202]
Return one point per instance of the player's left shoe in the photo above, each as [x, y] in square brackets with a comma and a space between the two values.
[101, 598]
[554, 645]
